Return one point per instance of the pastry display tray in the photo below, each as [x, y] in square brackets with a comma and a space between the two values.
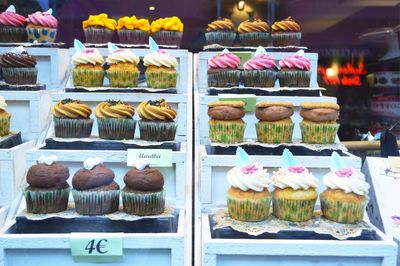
[26, 87]
[132, 46]
[127, 90]
[10, 141]
[217, 47]
[33, 44]
[308, 92]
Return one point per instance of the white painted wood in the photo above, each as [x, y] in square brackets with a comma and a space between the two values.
[52, 64]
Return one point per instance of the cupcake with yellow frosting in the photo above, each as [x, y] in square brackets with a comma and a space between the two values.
[122, 68]
[5, 118]
[161, 69]
[253, 32]
[157, 121]
[99, 28]
[221, 31]
[72, 119]
[88, 70]
[167, 31]
[132, 30]
[115, 120]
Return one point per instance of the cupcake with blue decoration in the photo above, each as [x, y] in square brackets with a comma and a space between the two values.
[42, 27]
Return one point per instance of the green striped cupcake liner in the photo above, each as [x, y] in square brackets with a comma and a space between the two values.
[88, 77]
[161, 79]
[318, 133]
[116, 128]
[226, 131]
[293, 210]
[342, 212]
[249, 210]
[50, 201]
[254, 39]
[72, 128]
[259, 78]
[224, 78]
[157, 130]
[144, 203]
[20, 75]
[123, 79]
[274, 133]
[96, 202]
[5, 126]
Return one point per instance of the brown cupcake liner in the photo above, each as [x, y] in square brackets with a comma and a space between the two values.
[116, 128]
[224, 78]
[13, 34]
[96, 202]
[157, 130]
[98, 35]
[167, 37]
[259, 78]
[294, 78]
[224, 38]
[254, 39]
[50, 201]
[133, 36]
[281, 39]
[20, 75]
[72, 128]
[144, 203]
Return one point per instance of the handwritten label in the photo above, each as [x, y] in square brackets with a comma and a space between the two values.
[249, 99]
[154, 157]
[394, 164]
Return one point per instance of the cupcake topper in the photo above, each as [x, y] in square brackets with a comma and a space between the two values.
[141, 164]
[260, 50]
[11, 8]
[18, 50]
[336, 162]
[78, 46]
[153, 45]
[288, 159]
[242, 158]
[49, 160]
[49, 11]
[300, 53]
[90, 163]
[112, 47]
[225, 51]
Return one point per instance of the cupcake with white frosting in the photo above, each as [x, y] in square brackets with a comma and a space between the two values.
[161, 69]
[122, 68]
[88, 70]
[5, 118]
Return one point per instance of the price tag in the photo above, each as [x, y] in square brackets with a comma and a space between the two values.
[155, 157]
[249, 99]
[394, 164]
[96, 247]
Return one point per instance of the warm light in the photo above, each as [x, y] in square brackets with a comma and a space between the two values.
[330, 72]
[241, 5]
[152, 8]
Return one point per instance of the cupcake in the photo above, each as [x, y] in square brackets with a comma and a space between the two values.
[295, 193]
[160, 70]
[295, 71]
[48, 190]
[88, 70]
[72, 119]
[115, 120]
[41, 27]
[260, 71]
[167, 31]
[99, 28]
[319, 122]
[286, 32]
[5, 118]
[19, 67]
[248, 198]
[144, 193]
[223, 70]
[132, 30]
[226, 124]
[253, 32]
[157, 121]
[221, 32]
[122, 71]
[275, 125]
[94, 190]
[12, 26]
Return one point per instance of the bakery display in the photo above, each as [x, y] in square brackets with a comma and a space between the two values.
[286, 32]
[253, 32]
[99, 28]
[221, 31]
[48, 190]
[19, 67]
[260, 71]
[160, 69]
[12, 26]
[133, 30]
[223, 70]
[295, 70]
[5, 118]
[42, 27]
[167, 31]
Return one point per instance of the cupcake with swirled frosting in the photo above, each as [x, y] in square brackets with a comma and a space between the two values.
[72, 119]
[157, 121]
[5, 118]
[223, 70]
[286, 32]
[160, 69]
[221, 31]
[346, 196]
[122, 71]
[99, 28]
[41, 27]
[19, 67]
[167, 31]
[88, 70]
[260, 71]
[253, 32]
[115, 120]
[295, 70]
[12, 26]
[133, 30]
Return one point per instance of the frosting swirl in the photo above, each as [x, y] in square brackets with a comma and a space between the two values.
[12, 59]
[114, 109]
[259, 62]
[295, 61]
[295, 177]
[253, 26]
[3, 104]
[43, 19]
[12, 19]
[221, 24]
[224, 60]
[122, 55]
[172, 24]
[133, 23]
[156, 110]
[350, 180]
[100, 20]
[287, 24]
[160, 58]
[88, 56]
[71, 109]
[251, 176]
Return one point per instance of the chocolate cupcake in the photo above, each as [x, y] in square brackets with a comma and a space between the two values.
[295, 70]
[223, 70]
[48, 190]
[144, 193]
[221, 31]
[286, 32]
[12, 26]
[94, 190]
[19, 67]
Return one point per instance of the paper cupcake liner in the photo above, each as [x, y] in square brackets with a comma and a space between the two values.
[293, 210]
[249, 210]
[224, 78]
[225, 38]
[157, 130]
[274, 132]
[143, 204]
[46, 201]
[342, 212]
[20, 75]
[96, 202]
[13, 34]
[133, 36]
[259, 78]
[72, 128]
[280, 39]
[167, 37]
[226, 131]
[161, 79]
[254, 38]
[294, 78]
[5, 126]
[123, 79]
[88, 77]
[115, 128]
[98, 35]
[320, 133]
[41, 34]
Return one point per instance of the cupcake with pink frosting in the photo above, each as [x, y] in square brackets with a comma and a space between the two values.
[223, 70]
[295, 70]
[42, 27]
[12, 26]
[260, 71]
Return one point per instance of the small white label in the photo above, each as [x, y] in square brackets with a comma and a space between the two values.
[154, 157]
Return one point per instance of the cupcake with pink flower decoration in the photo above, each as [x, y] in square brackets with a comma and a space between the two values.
[42, 27]
[223, 70]
[260, 71]
[295, 70]
[12, 26]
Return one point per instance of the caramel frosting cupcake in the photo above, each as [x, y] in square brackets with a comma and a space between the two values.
[221, 31]
[114, 109]
[156, 110]
[287, 24]
[253, 33]
[73, 109]
[253, 26]
[221, 24]
[286, 32]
